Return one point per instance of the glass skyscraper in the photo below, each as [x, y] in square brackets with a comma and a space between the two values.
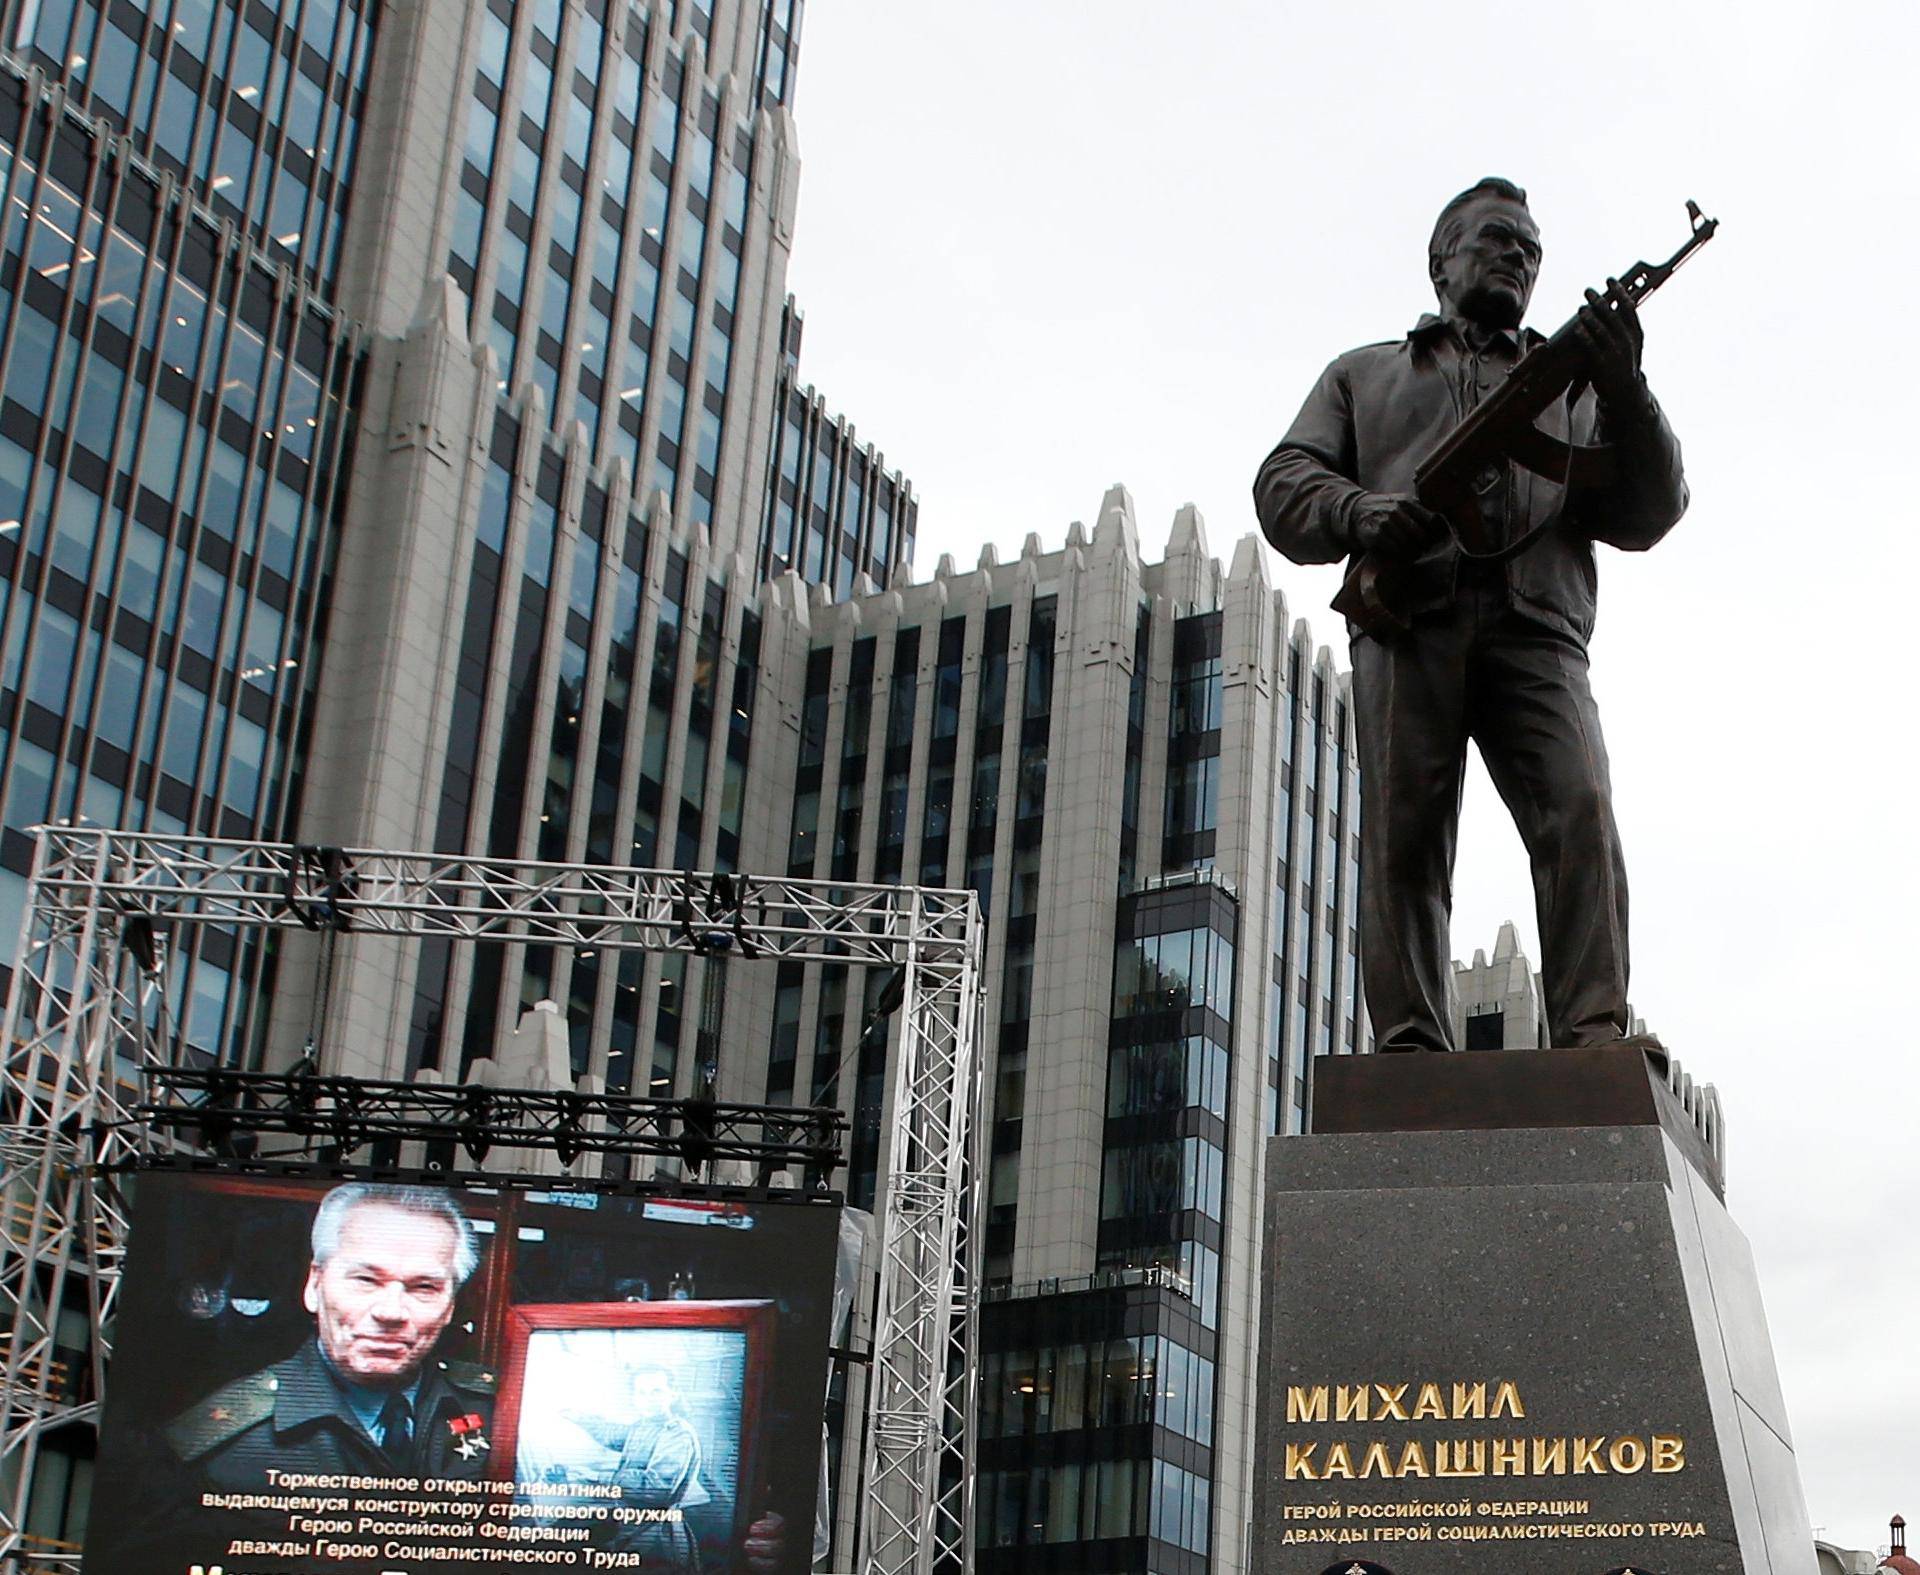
[176, 420]
[549, 607]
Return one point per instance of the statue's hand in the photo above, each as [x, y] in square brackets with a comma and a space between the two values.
[1610, 334]
[1394, 524]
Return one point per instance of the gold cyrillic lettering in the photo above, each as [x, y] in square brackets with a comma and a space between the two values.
[1339, 1463]
[1429, 1404]
[1469, 1402]
[1506, 1400]
[1376, 1457]
[1627, 1456]
[1300, 1462]
[1351, 1402]
[1393, 1402]
[1306, 1405]
[1586, 1457]
[1669, 1453]
[1549, 1457]
[1509, 1457]
[1413, 1461]
[1461, 1458]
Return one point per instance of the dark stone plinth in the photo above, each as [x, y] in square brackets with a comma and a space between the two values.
[1589, 1265]
[1499, 1090]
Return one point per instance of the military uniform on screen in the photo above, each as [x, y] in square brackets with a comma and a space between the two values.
[659, 1469]
[298, 1416]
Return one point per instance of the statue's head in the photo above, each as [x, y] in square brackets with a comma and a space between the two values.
[1485, 254]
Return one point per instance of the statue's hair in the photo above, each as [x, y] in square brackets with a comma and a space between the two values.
[1446, 228]
[431, 1202]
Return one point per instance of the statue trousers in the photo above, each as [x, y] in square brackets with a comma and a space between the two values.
[1481, 670]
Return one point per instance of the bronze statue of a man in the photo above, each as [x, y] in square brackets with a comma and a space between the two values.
[1496, 646]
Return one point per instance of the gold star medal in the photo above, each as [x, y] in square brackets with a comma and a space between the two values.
[472, 1442]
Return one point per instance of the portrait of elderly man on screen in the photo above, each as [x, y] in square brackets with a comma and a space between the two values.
[364, 1393]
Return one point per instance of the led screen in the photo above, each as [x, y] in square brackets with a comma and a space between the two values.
[396, 1377]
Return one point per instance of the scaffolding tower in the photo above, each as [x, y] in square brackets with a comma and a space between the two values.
[86, 1018]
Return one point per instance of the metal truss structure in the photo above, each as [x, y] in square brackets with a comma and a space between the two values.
[229, 1112]
[87, 1035]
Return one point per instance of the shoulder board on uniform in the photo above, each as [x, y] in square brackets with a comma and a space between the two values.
[470, 1376]
[223, 1415]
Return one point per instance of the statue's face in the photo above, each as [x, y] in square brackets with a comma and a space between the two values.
[1488, 276]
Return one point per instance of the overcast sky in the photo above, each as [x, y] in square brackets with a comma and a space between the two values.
[1046, 246]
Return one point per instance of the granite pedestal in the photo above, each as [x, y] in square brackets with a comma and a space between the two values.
[1508, 1325]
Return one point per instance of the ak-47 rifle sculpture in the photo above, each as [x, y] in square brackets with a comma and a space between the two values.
[1501, 428]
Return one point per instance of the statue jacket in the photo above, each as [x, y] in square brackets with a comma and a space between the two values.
[1376, 412]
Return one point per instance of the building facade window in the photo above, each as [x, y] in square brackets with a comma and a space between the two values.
[174, 416]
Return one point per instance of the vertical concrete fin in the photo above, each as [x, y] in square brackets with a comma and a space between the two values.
[1249, 566]
[532, 400]
[1280, 620]
[1189, 533]
[445, 308]
[783, 197]
[535, 1056]
[659, 512]
[791, 591]
[617, 477]
[1248, 603]
[1116, 522]
[1190, 575]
